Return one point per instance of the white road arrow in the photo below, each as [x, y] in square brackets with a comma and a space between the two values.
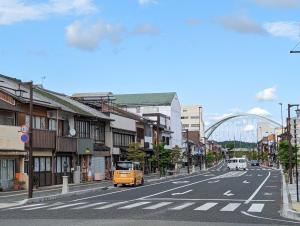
[246, 182]
[181, 182]
[214, 182]
[183, 193]
[267, 194]
[228, 193]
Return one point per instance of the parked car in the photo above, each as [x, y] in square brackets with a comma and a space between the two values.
[254, 163]
[237, 163]
[128, 173]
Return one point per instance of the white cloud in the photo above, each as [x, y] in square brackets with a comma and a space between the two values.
[278, 3]
[241, 24]
[146, 2]
[88, 36]
[288, 29]
[146, 29]
[249, 128]
[13, 11]
[268, 94]
[259, 111]
[217, 117]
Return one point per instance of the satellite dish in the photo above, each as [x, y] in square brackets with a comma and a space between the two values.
[72, 132]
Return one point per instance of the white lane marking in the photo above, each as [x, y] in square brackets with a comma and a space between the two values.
[271, 186]
[110, 205]
[229, 200]
[258, 189]
[182, 193]
[173, 189]
[206, 206]
[131, 206]
[259, 175]
[214, 182]
[230, 207]
[209, 175]
[89, 205]
[66, 206]
[268, 194]
[23, 207]
[181, 182]
[156, 206]
[47, 206]
[250, 175]
[228, 193]
[246, 182]
[265, 218]
[183, 206]
[149, 185]
[256, 208]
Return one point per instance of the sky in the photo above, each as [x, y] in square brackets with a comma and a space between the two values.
[229, 56]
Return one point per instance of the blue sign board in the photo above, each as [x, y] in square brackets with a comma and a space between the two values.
[24, 138]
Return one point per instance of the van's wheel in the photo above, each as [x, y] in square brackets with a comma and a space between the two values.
[134, 183]
[115, 185]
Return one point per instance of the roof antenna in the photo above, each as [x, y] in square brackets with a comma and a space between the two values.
[43, 78]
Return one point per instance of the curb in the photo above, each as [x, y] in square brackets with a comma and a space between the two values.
[59, 196]
[286, 210]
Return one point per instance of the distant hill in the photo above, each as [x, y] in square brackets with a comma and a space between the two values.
[237, 144]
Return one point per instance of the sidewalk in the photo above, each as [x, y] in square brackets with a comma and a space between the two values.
[13, 198]
[290, 207]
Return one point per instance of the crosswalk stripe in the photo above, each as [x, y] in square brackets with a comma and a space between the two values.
[256, 208]
[131, 206]
[110, 205]
[156, 206]
[230, 207]
[206, 206]
[21, 207]
[183, 206]
[43, 207]
[68, 205]
[89, 205]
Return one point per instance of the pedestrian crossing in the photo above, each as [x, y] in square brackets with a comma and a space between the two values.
[249, 169]
[145, 205]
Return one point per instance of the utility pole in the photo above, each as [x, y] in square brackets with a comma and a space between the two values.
[296, 158]
[157, 144]
[188, 152]
[30, 158]
[282, 129]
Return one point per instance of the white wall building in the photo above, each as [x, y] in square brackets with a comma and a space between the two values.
[192, 119]
[163, 103]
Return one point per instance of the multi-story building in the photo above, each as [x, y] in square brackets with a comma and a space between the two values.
[153, 103]
[192, 120]
[64, 132]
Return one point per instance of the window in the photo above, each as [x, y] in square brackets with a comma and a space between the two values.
[98, 132]
[195, 125]
[184, 117]
[122, 140]
[195, 117]
[48, 164]
[167, 140]
[37, 122]
[42, 164]
[52, 124]
[185, 125]
[36, 165]
[58, 164]
[83, 129]
[7, 118]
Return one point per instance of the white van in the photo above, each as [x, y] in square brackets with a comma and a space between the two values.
[237, 163]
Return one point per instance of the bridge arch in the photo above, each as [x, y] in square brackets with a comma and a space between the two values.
[212, 128]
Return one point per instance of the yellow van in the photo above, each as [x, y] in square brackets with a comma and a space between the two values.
[128, 173]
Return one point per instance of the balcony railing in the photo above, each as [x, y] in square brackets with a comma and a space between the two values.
[67, 144]
[43, 139]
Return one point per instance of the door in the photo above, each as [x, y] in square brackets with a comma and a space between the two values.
[98, 168]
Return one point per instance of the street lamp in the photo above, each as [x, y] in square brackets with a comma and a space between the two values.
[296, 157]
[289, 141]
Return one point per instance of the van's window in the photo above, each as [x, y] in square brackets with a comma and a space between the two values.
[242, 160]
[124, 166]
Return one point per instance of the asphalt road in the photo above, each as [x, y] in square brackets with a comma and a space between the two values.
[214, 197]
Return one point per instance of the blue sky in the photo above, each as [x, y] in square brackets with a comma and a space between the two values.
[220, 54]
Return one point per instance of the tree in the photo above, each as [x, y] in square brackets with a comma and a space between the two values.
[283, 154]
[176, 157]
[164, 158]
[210, 157]
[135, 154]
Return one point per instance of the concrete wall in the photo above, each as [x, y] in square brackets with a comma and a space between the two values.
[10, 138]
